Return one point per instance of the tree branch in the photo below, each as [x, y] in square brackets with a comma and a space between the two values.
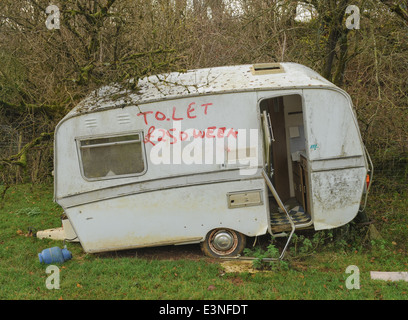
[20, 159]
[397, 9]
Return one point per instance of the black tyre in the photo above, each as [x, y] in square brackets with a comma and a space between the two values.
[223, 243]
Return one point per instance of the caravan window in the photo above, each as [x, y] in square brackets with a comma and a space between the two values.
[112, 157]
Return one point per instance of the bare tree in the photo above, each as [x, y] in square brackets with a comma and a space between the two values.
[44, 73]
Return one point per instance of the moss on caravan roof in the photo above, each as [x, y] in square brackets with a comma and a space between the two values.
[202, 82]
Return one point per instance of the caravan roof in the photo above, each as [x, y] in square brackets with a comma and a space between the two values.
[201, 82]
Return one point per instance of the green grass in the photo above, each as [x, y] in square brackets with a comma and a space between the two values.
[314, 270]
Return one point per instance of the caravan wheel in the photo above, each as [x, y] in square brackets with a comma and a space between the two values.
[223, 243]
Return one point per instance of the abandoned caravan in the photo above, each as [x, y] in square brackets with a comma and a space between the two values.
[209, 156]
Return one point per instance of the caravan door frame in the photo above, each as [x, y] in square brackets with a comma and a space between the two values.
[266, 95]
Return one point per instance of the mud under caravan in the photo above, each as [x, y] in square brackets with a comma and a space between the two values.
[210, 156]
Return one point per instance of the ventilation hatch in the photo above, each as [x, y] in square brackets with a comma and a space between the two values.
[266, 68]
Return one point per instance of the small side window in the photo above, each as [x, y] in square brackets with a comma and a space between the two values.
[112, 157]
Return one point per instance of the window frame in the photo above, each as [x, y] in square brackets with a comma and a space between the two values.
[78, 141]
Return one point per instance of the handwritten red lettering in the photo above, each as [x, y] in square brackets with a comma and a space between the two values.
[174, 116]
[174, 139]
[199, 134]
[144, 114]
[220, 132]
[172, 136]
[189, 110]
[205, 105]
[183, 136]
[175, 136]
[210, 132]
[164, 133]
[232, 132]
[162, 116]
[149, 136]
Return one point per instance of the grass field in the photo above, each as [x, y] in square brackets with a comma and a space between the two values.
[315, 267]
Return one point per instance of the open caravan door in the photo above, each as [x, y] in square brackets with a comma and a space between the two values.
[337, 163]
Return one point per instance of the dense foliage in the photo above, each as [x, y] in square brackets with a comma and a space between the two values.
[44, 73]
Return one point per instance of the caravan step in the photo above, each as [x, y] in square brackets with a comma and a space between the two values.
[280, 221]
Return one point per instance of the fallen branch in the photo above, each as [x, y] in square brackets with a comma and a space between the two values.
[20, 159]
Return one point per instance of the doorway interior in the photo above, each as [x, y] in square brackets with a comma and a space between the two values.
[286, 160]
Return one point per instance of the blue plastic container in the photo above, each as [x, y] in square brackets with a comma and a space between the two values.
[54, 255]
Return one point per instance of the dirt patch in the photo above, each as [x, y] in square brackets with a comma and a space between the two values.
[238, 266]
[182, 252]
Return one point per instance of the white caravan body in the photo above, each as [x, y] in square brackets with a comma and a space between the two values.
[183, 155]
